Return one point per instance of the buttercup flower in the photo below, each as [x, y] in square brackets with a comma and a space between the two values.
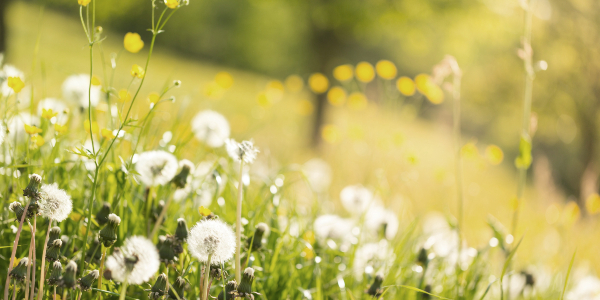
[6, 72]
[211, 128]
[15, 83]
[133, 42]
[83, 2]
[137, 71]
[55, 204]
[156, 167]
[244, 151]
[54, 110]
[135, 262]
[76, 88]
[212, 238]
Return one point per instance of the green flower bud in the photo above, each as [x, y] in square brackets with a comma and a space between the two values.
[256, 240]
[225, 294]
[108, 234]
[33, 188]
[180, 180]
[159, 288]
[181, 233]
[179, 287]
[85, 282]
[53, 235]
[53, 252]
[375, 290]
[20, 270]
[18, 209]
[427, 289]
[69, 279]
[102, 215]
[245, 287]
[55, 274]
[422, 258]
[165, 248]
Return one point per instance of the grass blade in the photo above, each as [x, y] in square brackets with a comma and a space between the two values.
[111, 293]
[568, 273]
[413, 289]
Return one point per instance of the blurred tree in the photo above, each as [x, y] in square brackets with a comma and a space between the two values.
[3, 6]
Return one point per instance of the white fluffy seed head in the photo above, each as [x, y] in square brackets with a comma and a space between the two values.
[249, 272]
[211, 128]
[356, 199]
[95, 273]
[244, 151]
[114, 219]
[76, 90]
[136, 261]
[55, 204]
[212, 237]
[156, 167]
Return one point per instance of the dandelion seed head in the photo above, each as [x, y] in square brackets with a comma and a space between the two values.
[156, 167]
[136, 261]
[211, 128]
[76, 90]
[114, 219]
[244, 151]
[55, 204]
[333, 227]
[379, 218]
[212, 237]
[356, 199]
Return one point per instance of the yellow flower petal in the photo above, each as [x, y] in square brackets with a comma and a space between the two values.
[137, 71]
[305, 108]
[124, 96]
[60, 128]
[330, 133]
[386, 69]
[153, 97]
[406, 86]
[37, 140]
[16, 84]
[336, 96]
[48, 113]
[107, 134]
[318, 83]
[96, 80]
[172, 4]
[83, 2]
[86, 126]
[32, 129]
[204, 211]
[133, 42]
[494, 154]
[357, 101]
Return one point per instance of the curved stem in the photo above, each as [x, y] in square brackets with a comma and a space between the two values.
[41, 288]
[14, 252]
[238, 226]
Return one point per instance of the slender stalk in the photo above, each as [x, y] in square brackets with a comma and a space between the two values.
[101, 270]
[54, 293]
[456, 80]
[33, 261]
[123, 291]
[14, 294]
[41, 288]
[206, 277]
[14, 252]
[238, 226]
[161, 216]
[28, 278]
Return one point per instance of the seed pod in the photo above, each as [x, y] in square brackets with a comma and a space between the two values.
[20, 270]
[181, 233]
[256, 240]
[54, 235]
[53, 252]
[85, 282]
[18, 209]
[159, 288]
[179, 286]
[56, 274]
[102, 215]
[375, 290]
[230, 288]
[108, 234]
[69, 278]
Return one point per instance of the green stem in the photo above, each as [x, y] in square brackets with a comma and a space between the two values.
[206, 278]
[33, 259]
[45, 245]
[238, 225]
[123, 291]
[101, 270]
[14, 252]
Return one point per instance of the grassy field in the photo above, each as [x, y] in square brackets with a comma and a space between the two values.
[406, 160]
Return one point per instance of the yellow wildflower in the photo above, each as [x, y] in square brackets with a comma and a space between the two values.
[107, 134]
[124, 96]
[318, 83]
[294, 83]
[172, 4]
[38, 140]
[592, 204]
[336, 96]
[137, 71]
[16, 84]
[48, 113]
[224, 79]
[343, 72]
[386, 69]
[86, 126]
[153, 97]
[406, 86]
[60, 128]
[96, 80]
[32, 129]
[83, 2]
[204, 211]
[133, 42]
[365, 72]
[357, 101]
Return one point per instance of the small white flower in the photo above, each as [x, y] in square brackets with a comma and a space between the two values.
[136, 261]
[76, 90]
[378, 218]
[156, 167]
[212, 237]
[588, 288]
[356, 199]
[55, 204]
[56, 106]
[333, 227]
[211, 128]
[374, 256]
[244, 151]
[318, 173]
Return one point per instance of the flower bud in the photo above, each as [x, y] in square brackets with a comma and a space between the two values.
[375, 290]
[165, 249]
[54, 235]
[56, 274]
[181, 233]
[225, 294]
[256, 240]
[178, 287]
[428, 290]
[85, 282]
[216, 272]
[422, 258]
[180, 180]
[108, 234]
[53, 252]
[69, 279]
[33, 188]
[20, 270]
[245, 287]
[159, 288]
[102, 215]
[177, 83]
[18, 209]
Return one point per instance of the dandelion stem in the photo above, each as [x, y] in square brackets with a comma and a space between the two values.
[14, 294]
[41, 288]
[28, 278]
[458, 168]
[238, 225]
[101, 270]
[54, 293]
[206, 278]
[123, 291]
[33, 260]
[14, 252]
[161, 217]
